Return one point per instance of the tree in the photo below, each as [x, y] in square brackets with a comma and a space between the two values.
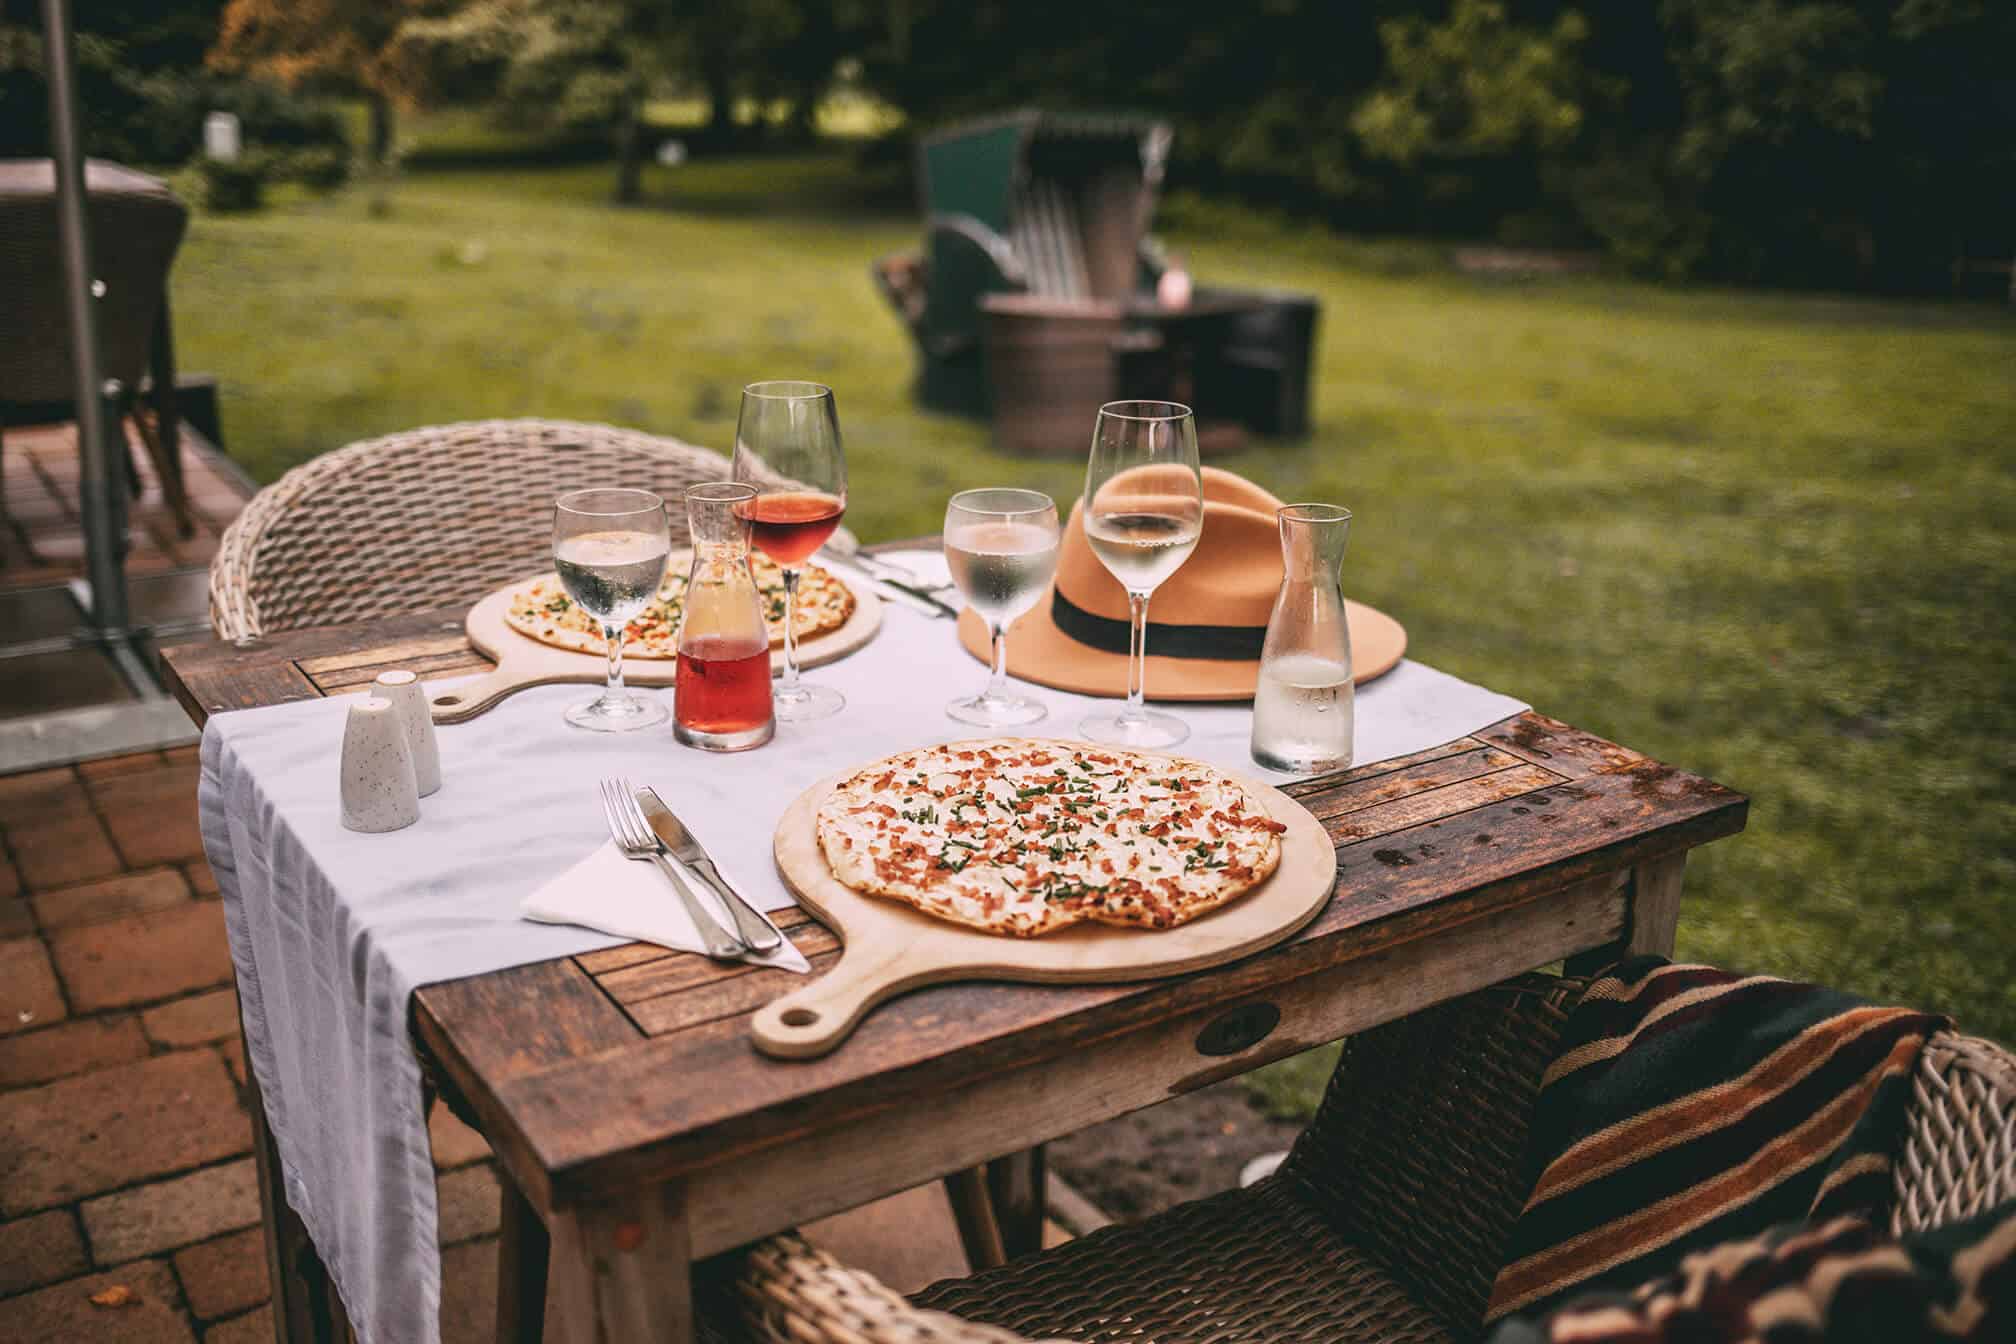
[1473, 86]
[335, 44]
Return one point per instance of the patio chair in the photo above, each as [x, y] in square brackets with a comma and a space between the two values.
[1387, 1222]
[136, 227]
[1056, 208]
[426, 518]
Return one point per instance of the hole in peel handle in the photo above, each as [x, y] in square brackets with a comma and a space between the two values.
[814, 1020]
[467, 699]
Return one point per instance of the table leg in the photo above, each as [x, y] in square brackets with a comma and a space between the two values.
[522, 1254]
[1654, 919]
[624, 1271]
[1015, 1183]
[973, 1211]
[305, 1306]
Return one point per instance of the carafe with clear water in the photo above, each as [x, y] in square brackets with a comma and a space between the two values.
[1303, 708]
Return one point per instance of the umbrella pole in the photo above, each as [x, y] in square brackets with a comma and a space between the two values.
[100, 447]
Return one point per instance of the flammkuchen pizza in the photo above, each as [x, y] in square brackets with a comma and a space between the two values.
[1024, 836]
[542, 610]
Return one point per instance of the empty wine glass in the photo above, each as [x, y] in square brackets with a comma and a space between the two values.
[787, 445]
[610, 547]
[1001, 546]
[1144, 511]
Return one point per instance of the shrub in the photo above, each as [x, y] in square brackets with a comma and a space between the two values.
[319, 167]
[235, 185]
[268, 115]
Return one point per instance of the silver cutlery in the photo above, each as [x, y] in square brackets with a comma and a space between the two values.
[897, 572]
[756, 930]
[638, 841]
[908, 594]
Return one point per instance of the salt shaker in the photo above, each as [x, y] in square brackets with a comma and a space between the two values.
[378, 790]
[1303, 707]
[402, 688]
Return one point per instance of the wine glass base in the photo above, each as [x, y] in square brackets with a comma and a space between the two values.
[807, 703]
[627, 715]
[1146, 729]
[997, 711]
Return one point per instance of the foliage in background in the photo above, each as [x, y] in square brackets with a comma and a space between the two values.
[1866, 143]
[144, 94]
[1847, 143]
[342, 46]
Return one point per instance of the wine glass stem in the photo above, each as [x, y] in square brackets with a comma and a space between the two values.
[1137, 654]
[613, 637]
[789, 682]
[997, 682]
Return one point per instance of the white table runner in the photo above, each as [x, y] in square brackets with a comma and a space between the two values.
[332, 931]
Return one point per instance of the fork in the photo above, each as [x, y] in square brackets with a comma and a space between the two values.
[636, 840]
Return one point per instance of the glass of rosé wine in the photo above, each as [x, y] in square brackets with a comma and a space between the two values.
[787, 445]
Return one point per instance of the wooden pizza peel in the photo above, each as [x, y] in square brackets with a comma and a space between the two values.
[523, 661]
[888, 947]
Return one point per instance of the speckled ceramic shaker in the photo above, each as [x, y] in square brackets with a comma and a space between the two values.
[378, 789]
[402, 688]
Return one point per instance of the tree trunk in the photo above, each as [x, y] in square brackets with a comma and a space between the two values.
[381, 129]
[720, 83]
[629, 159]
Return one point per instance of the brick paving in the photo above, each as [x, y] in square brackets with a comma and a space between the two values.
[125, 1151]
[124, 1143]
[41, 540]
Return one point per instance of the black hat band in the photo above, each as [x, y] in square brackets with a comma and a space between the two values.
[1220, 643]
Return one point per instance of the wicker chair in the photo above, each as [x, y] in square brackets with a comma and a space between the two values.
[1386, 1223]
[425, 518]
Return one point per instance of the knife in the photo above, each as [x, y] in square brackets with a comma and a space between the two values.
[756, 931]
[915, 598]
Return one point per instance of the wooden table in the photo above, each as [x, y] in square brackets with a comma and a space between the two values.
[1525, 844]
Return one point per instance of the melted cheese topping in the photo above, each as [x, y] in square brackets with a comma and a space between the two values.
[1021, 836]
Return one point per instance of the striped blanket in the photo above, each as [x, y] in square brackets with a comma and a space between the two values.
[1689, 1107]
[1841, 1282]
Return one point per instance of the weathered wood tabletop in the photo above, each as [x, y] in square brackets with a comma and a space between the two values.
[1525, 844]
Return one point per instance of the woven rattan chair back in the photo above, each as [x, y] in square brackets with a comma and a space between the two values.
[1959, 1153]
[1417, 1151]
[426, 518]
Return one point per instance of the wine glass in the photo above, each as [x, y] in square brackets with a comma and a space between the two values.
[1001, 546]
[787, 445]
[1144, 511]
[610, 547]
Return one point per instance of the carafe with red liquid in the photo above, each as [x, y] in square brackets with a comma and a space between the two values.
[721, 690]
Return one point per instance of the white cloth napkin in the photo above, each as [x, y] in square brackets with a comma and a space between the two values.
[631, 898]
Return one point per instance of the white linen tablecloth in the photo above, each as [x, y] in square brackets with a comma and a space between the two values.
[332, 931]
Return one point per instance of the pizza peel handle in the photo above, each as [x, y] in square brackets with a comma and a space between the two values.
[812, 1021]
[466, 699]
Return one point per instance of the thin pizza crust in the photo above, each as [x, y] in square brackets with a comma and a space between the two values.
[542, 610]
[1023, 836]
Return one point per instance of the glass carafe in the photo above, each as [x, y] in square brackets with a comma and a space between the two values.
[1302, 709]
[721, 695]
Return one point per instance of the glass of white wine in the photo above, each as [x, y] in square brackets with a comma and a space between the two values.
[1144, 511]
[1001, 546]
[610, 547]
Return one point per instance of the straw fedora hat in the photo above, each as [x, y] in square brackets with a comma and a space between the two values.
[1205, 624]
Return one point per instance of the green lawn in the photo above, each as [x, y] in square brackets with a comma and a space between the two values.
[1771, 539]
